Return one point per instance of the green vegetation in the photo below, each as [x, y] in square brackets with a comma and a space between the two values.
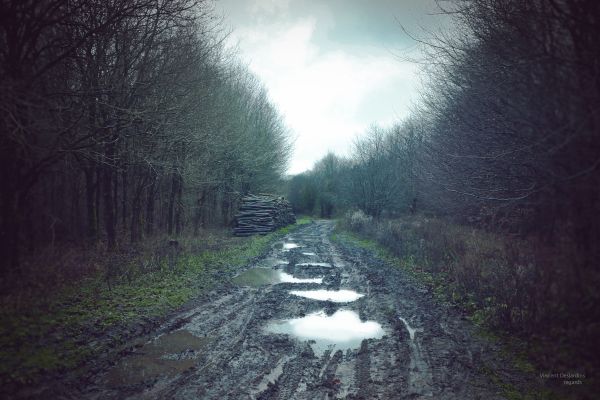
[41, 334]
[407, 263]
[475, 271]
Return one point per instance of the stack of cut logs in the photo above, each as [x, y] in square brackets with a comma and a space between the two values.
[261, 214]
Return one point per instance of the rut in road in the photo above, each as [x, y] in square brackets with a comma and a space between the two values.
[377, 334]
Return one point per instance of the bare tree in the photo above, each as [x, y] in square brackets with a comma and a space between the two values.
[122, 119]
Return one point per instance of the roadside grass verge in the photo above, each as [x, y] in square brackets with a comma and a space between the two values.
[498, 282]
[53, 331]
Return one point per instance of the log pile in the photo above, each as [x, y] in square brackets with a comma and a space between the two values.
[261, 214]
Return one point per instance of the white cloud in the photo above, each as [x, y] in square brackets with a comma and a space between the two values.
[327, 96]
[271, 7]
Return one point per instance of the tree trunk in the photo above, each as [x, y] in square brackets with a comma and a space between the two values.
[109, 214]
[150, 207]
[90, 196]
[136, 211]
[225, 207]
[172, 200]
[98, 189]
[124, 199]
[9, 228]
[198, 213]
[179, 206]
[115, 197]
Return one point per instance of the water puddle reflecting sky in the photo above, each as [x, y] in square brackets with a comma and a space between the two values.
[337, 296]
[289, 246]
[268, 276]
[342, 330]
[272, 262]
[315, 264]
[287, 278]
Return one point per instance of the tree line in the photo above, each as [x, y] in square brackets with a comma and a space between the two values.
[506, 134]
[504, 138]
[124, 119]
[381, 177]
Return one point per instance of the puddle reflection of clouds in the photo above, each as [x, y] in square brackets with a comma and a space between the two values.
[343, 329]
[337, 296]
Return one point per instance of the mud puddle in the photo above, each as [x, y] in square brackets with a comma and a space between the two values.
[268, 276]
[166, 356]
[270, 262]
[342, 330]
[288, 246]
[257, 346]
[315, 264]
[337, 296]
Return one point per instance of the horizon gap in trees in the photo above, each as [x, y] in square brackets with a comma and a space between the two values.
[125, 119]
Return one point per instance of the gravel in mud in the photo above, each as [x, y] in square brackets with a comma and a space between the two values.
[414, 348]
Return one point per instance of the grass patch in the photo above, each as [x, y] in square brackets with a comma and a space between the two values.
[488, 278]
[407, 263]
[59, 330]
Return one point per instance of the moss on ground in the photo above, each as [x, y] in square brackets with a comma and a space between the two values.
[54, 334]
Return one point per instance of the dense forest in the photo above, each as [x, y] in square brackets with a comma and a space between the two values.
[131, 130]
[125, 119]
[504, 142]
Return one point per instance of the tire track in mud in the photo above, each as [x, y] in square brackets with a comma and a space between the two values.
[424, 351]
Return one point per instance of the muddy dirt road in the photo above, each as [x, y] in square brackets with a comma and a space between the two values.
[312, 320]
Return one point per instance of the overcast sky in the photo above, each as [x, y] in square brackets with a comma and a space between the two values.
[332, 67]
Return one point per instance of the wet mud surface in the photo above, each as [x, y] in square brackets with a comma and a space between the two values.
[255, 339]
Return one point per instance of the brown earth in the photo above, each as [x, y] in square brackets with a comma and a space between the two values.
[223, 345]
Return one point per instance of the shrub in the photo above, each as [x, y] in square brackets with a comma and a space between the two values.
[478, 270]
[358, 221]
